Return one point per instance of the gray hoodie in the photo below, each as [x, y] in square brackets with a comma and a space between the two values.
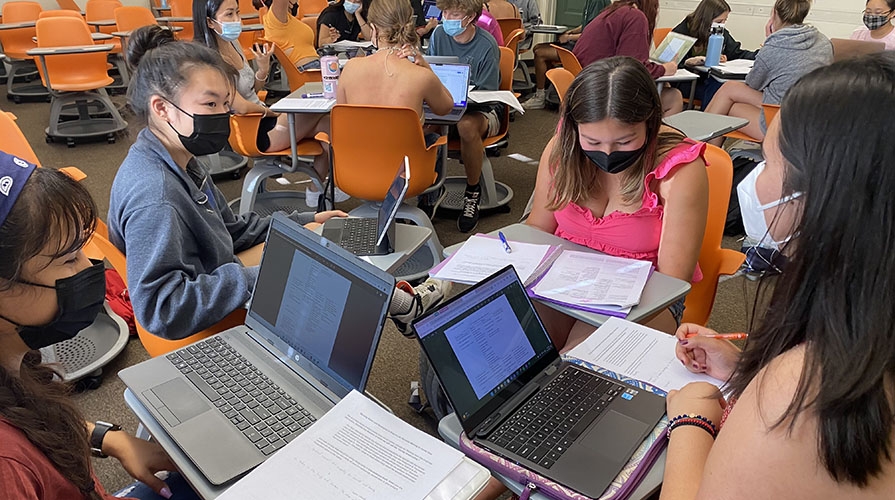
[180, 241]
[787, 55]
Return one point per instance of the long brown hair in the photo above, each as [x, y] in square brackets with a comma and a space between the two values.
[52, 211]
[619, 88]
[650, 8]
[699, 22]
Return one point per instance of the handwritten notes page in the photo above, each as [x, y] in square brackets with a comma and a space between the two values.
[357, 451]
[589, 279]
[638, 352]
[481, 256]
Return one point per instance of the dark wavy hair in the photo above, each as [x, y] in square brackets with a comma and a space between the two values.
[52, 212]
[699, 22]
[839, 287]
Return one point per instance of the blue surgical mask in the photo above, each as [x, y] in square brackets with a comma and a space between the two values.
[453, 27]
[231, 30]
[351, 7]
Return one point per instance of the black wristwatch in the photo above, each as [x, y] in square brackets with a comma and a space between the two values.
[99, 433]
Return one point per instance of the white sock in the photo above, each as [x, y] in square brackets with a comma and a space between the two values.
[540, 93]
[401, 302]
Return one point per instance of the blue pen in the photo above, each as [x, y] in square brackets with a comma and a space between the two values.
[315, 95]
[506, 244]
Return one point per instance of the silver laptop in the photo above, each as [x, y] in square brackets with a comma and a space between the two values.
[673, 48]
[455, 77]
[368, 235]
[313, 325]
[516, 397]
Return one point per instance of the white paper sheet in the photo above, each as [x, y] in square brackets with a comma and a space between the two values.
[357, 451]
[482, 256]
[299, 105]
[638, 352]
[587, 279]
[736, 67]
[504, 96]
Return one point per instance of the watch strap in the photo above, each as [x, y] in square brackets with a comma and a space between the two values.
[100, 429]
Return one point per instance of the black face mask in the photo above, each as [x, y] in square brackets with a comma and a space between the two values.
[293, 9]
[617, 161]
[80, 299]
[210, 133]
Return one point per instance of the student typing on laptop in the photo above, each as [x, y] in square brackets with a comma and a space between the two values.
[167, 216]
[48, 292]
[459, 36]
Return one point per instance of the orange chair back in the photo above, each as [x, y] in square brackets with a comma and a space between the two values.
[659, 35]
[365, 159]
[59, 13]
[770, 112]
[69, 5]
[507, 64]
[73, 72]
[311, 8]
[568, 60]
[508, 26]
[295, 78]
[713, 260]
[18, 41]
[512, 40]
[156, 346]
[131, 17]
[561, 79]
[183, 8]
[100, 10]
[244, 139]
[247, 7]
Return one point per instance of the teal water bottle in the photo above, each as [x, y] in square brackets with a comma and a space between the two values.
[716, 44]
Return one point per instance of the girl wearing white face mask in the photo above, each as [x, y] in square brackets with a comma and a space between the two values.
[878, 26]
[344, 20]
[216, 24]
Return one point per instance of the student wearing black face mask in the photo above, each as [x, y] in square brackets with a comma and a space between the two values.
[615, 179]
[166, 215]
[49, 291]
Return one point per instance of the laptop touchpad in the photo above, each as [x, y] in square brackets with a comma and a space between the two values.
[181, 400]
[615, 435]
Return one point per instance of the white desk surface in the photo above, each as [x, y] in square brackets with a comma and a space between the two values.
[308, 88]
[449, 429]
[409, 239]
[660, 291]
[702, 126]
[682, 75]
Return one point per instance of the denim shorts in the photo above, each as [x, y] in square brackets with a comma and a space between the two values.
[677, 310]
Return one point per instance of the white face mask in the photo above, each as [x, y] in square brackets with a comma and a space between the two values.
[752, 211]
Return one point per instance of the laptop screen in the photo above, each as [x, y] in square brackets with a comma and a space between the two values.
[485, 344]
[455, 77]
[431, 10]
[393, 199]
[320, 306]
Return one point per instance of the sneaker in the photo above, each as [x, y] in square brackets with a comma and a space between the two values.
[426, 295]
[312, 198]
[537, 101]
[469, 219]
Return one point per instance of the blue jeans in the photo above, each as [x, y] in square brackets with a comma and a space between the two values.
[180, 489]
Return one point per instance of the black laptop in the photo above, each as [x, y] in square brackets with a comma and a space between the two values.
[368, 235]
[515, 396]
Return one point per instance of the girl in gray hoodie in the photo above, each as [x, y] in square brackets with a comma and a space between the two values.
[791, 50]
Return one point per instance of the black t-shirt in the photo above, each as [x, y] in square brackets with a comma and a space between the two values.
[334, 16]
[417, 6]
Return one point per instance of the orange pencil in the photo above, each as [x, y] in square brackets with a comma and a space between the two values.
[725, 336]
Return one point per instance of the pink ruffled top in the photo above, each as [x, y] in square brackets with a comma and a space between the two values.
[632, 235]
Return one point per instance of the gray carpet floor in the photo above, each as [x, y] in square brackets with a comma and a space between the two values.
[395, 365]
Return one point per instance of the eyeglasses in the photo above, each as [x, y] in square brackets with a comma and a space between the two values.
[886, 13]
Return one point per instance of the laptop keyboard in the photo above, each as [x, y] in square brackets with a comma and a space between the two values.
[359, 235]
[261, 410]
[548, 423]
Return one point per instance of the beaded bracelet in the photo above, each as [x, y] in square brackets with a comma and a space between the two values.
[695, 420]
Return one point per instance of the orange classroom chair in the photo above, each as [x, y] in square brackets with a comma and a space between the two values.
[75, 71]
[568, 59]
[714, 261]
[16, 44]
[131, 17]
[770, 112]
[59, 13]
[561, 79]
[69, 5]
[156, 346]
[659, 35]
[308, 8]
[508, 25]
[182, 9]
[104, 10]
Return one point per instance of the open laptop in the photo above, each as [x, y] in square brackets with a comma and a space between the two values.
[367, 235]
[673, 48]
[430, 10]
[455, 77]
[516, 397]
[311, 332]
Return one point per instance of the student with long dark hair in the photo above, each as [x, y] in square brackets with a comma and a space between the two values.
[698, 24]
[343, 20]
[49, 291]
[811, 411]
[217, 25]
[615, 179]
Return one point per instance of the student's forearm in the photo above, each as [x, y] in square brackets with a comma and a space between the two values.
[688, 450]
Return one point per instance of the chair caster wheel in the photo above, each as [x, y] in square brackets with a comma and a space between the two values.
[235, 175]
[49, 139]
[110, 139]
[89, 383]
[70, 142]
